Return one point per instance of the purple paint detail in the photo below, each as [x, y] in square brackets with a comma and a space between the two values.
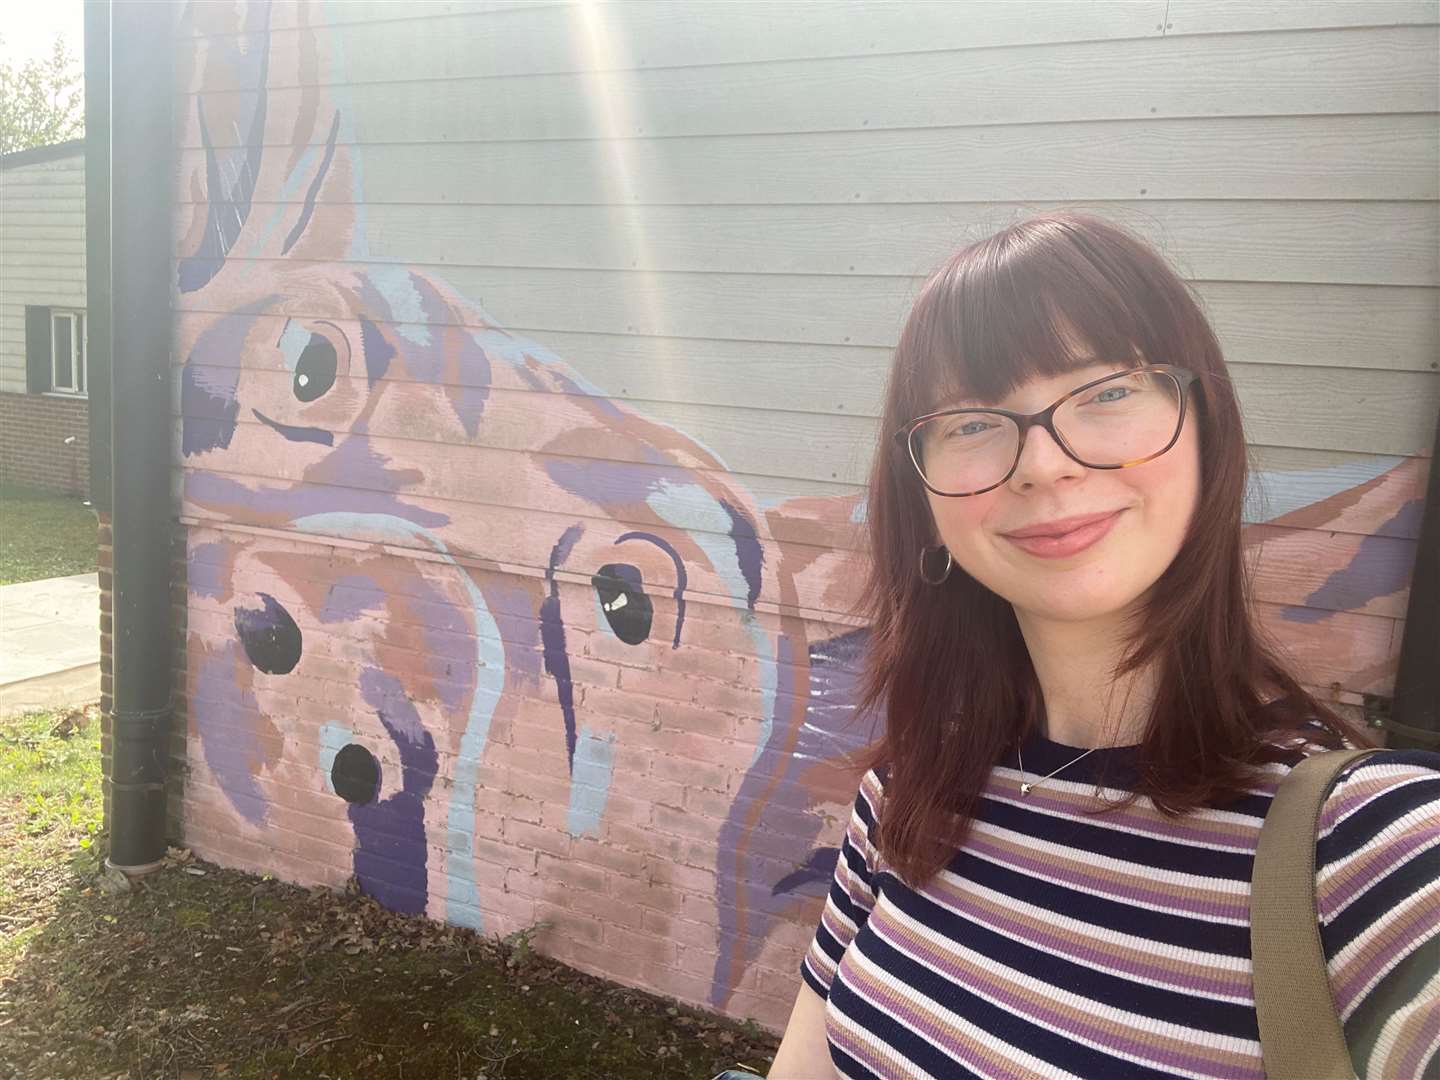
[205, 568]
[221, 492]
[1406, 522]
[427, 362]
[614, 483]
[469, 404]
[390, 842]
[314, 189]
[226, 716]
[378, 351]
[229, 207]
[208, 384]
[681, 578]
[513, 610]
[449, 643]
[297, 434]
[350, 597]
[1308, 615]
[747, 550]
[761, 872]
[1380, 567]
[819, 867]
[552, 639]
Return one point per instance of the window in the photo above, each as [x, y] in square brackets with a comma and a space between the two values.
[67, 352]
[57, 353]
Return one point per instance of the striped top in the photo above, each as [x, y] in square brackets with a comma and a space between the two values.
[1057, 943]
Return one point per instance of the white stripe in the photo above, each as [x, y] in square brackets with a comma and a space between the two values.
[1051, 997]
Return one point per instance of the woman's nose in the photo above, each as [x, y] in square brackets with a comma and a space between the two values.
[1042, 460]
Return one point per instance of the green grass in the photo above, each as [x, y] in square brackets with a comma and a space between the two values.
[44, 535]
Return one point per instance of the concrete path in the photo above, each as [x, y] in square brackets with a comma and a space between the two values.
[49, 643]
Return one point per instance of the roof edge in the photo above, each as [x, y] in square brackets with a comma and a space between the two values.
[42, 153]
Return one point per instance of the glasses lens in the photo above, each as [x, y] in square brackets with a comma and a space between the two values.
[1124, 419]
[964, 452]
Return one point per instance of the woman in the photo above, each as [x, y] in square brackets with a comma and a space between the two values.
[1047, 869]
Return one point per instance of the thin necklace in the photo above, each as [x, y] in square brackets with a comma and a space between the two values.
[1025, 788]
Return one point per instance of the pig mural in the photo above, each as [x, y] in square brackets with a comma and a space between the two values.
[437, 578]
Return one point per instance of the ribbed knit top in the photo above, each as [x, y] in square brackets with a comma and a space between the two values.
[1061, 943]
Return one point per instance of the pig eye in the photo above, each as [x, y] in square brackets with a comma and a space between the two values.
[315, 370]
[621, 592]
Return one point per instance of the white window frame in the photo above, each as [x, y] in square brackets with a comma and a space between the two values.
[79, 364]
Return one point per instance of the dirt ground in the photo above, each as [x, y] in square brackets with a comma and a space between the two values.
[198, 971]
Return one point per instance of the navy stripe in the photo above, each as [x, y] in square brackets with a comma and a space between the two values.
[1370, 907]
[1050, 1046]
[1069, 977]
[1365, 824]
[1200, 934]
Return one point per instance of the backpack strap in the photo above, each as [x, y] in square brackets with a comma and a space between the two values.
[1300, 1030]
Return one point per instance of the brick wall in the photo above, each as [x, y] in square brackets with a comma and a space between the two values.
[33, 454]
[175, 773]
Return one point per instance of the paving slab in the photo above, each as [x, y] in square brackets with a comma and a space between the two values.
[49, 643]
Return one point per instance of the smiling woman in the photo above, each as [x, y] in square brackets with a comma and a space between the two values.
[1048, 866]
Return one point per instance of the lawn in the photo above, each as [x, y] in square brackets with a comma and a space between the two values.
[198, 971]
[44, 535]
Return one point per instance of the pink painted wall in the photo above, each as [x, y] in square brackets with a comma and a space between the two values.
[504, 647]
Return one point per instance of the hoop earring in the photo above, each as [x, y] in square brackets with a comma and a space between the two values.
[926, 553]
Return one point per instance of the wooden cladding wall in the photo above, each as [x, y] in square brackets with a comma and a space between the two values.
[527, 365]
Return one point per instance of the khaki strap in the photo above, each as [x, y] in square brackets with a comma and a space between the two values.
[1301, 1037]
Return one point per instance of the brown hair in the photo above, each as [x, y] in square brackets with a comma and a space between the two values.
[947, 663]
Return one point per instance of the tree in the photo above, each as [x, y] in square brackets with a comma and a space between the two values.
[41, 102]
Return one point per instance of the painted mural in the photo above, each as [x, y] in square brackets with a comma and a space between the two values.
[437, 578]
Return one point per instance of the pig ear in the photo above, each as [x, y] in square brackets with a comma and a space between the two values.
[266, 155]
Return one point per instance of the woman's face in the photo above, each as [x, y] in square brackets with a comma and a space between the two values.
[1155, 500]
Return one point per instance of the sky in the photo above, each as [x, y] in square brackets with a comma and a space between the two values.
[28, 29]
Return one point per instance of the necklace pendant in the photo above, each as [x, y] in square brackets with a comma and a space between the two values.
[1025, 788]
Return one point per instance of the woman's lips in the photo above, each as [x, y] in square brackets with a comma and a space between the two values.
[1058, 547]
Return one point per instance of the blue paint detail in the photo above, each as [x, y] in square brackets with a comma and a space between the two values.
[297, 434]
[396, 285]
[590, 782]
[333, 738]
[681, 578]
[378, 351]
[1272, 494]
[1295, 614]
[462, 903]
[309, 207]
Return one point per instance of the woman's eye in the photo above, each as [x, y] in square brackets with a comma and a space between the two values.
[315, 370]
[1124, 390]
[621, 592]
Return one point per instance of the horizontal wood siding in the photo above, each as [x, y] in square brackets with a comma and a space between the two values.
[42, 250]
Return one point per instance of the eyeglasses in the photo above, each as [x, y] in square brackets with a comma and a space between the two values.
[1114, 422]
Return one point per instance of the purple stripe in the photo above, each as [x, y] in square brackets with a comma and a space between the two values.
[1030, 1007]
[1425, 1042]
[1402, 940]
[1238, 909]
[1395, 851]
[1089, 952]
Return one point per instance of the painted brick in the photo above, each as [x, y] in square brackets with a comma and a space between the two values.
[569, 926]
[640, 945]
[617, 860]
[621, 704]
[690, 773]
[572, 874]
[655, 897]
[533, 836]
[656, 684]
[678, 716]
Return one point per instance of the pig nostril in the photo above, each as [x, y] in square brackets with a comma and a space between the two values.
[270, 636]
[355, 775]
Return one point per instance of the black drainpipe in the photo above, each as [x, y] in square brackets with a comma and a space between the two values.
[141, 135]
[1414, 721]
